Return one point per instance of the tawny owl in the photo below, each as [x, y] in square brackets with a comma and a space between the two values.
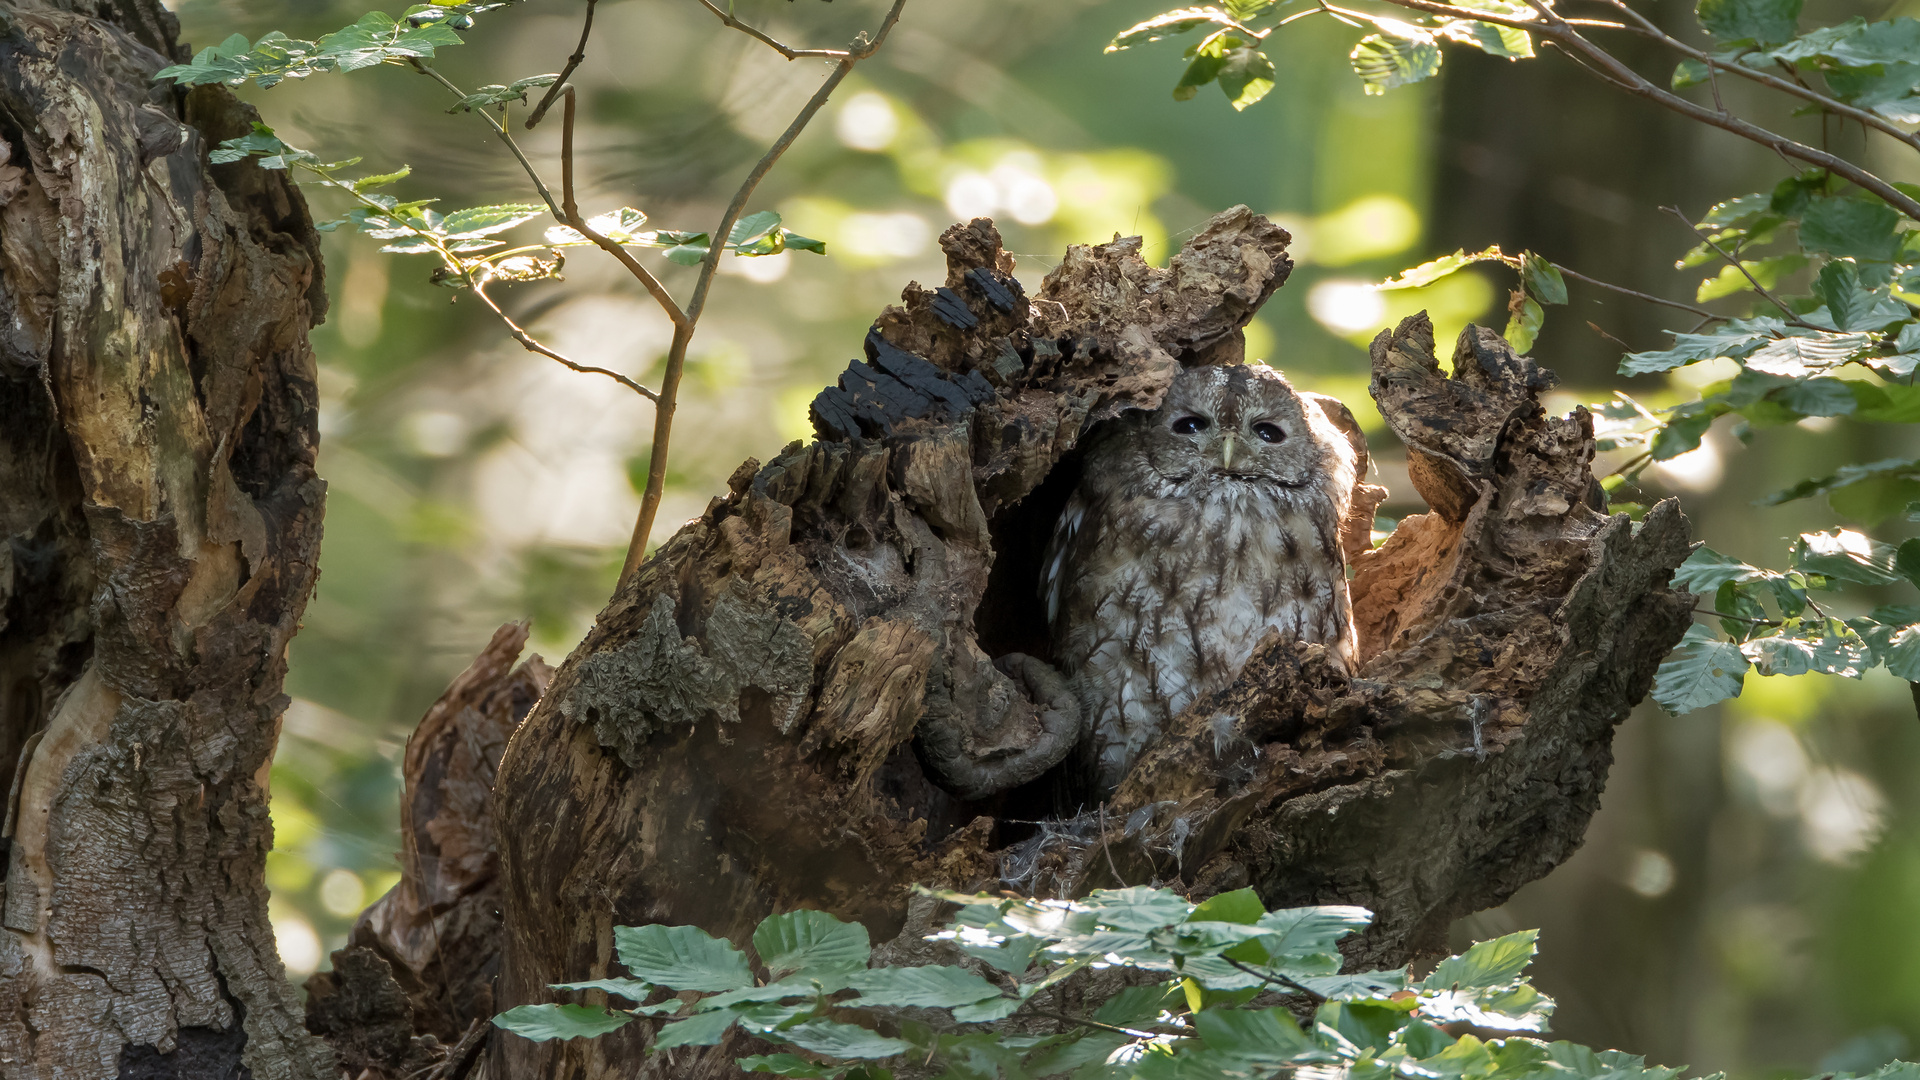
[1195, 529]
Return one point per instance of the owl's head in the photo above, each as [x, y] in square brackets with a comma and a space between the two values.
[1235, 424]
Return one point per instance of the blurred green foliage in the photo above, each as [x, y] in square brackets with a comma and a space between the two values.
[1745, 896]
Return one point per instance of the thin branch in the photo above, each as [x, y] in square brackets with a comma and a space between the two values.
[683, 333]
[526, 339]
[727, 19]
[569, 213]
[1624, 291]
[1736, 618]
[499, 128]
[1794, 86]
[1279, 980]
[1096, 1025]
[1607, 67]
[1792, 318]
[579, 54]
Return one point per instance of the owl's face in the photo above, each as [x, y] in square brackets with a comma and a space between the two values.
[1238, 424]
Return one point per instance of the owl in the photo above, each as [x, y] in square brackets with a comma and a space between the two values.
[1196, 529]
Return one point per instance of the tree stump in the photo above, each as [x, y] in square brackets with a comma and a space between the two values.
[792, 703]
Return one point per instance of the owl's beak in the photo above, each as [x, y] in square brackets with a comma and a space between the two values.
[1226, 452]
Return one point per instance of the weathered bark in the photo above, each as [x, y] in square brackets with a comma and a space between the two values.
[159, 524]
[411, 993]
[748, 726]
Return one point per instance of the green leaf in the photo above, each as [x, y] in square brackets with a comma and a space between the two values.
[1817, 397]
[1245, 76]
[1849, 226]
[368, 183]
[752, 227]
[933, 986]
[700, 1029]
[987, 1011]
[1706, 570]
[1264, 1037]
[1429, 272]
[681, 958]
[687, 254]
[1013, 954]
[1845, 555]
[1730, 281]
[1542, 279]
[1902, 654]
[485, 220]
[1702, 671]
[627, 988]
[1166, 24]
[1137, 908]
[1680, 434]
[1805, 352]
[1766, 22]
[838, 1040]
[1401, 57]
[1135, 1005]
[543, 1022]
[1486, 964]
[1508, 42]
[810, 943]
[796, 242]
[1524, 326]
[1239, 906]
[1689, 348]
[783, 1065]
[1204, 63]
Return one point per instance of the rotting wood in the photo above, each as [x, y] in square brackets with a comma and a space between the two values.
[416, 976]
[1505, 634]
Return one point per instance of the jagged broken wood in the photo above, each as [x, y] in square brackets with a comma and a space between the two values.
[796, 702]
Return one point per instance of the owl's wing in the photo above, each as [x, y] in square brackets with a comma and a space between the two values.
[1053, 577]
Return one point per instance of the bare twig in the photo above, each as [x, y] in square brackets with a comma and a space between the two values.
[1792, 318]
[1606, 66]
[499, 128]
[1736, 618]
[1279, 980]
[862, 48]
[727, 19]
[1624, 291]
[579, 54]
[569, 213]
[526, 339]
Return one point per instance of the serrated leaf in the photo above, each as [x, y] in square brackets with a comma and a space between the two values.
[1137, 908]
[810, 943]
[1806, 352]
[1902, 654]
[783, 1065]
[932, 986]
[1689, 348]
[543, 1022]
[1702, 671]
[1542, 279]
[681, 958]
[477, 221]
[1262, 1037]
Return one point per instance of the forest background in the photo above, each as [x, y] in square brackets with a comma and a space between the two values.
[1745, 897]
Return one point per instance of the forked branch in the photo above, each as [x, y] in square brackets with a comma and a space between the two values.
[862, 48]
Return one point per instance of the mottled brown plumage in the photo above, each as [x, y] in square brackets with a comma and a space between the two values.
[1196, 529]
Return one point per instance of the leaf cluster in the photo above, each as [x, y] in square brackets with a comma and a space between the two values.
[1210, 998]
[377, 38]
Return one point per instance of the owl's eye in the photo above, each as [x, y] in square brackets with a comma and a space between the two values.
[1269, 432]
[1190, 425]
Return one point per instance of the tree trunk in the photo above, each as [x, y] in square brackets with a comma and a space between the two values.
[159, 524]
[794, 703]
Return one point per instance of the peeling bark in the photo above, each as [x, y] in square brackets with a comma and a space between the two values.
[160, 519]
[796, 702]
